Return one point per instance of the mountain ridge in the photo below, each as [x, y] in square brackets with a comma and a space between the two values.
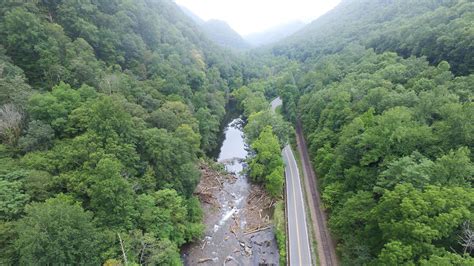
[274, 34]
[219, 31]
[222, 33]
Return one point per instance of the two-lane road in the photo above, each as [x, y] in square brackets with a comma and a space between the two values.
[299, 248]
[298, 239]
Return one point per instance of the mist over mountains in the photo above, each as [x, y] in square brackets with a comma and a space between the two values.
[223, 34]
[274, 34]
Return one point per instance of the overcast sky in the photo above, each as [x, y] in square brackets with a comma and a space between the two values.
[249, 16]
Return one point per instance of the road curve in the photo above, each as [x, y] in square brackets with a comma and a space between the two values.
[299, 248]
[275, 103]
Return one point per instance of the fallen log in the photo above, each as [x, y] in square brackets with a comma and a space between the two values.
[204, 260]
[257, 230]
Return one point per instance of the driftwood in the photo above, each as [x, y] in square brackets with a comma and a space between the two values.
[211, 183]
[252, 231]
[258, 203]
[207, 197]
[271, 204]
[220, 183]
[204, 260]
[229, 258]
[232, 230]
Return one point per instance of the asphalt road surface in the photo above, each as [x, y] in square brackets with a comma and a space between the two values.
[275, 103]
[298, 238]
[299, 249]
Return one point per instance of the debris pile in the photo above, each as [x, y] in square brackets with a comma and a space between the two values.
[211, 183]
[237, 218]
[258, 209]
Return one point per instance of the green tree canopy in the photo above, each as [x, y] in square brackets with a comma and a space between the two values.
[267, 165]
[57, 231]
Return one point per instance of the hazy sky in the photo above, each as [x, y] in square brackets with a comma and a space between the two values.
[249, 16]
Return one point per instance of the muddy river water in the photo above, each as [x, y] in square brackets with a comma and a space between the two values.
[227, 240]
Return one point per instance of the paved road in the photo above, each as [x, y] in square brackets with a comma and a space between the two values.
[275, 103]
[299, 249]
[298, 241]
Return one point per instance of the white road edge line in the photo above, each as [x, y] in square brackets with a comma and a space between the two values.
[302, 200]
[295, 211]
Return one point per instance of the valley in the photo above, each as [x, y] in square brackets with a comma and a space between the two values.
[137, 133]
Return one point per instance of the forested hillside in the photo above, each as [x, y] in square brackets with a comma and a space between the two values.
[384, 92]
[391, 141]
[218, 31]
[105, 108]
[221, 33]
[437, 29]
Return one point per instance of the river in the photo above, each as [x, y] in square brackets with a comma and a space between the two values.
[226, 241]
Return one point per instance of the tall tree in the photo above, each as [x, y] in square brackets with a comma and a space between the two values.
[57, 231]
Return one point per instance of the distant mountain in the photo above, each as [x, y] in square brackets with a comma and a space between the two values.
[221, 33]
[274, 34]
[191, 15]
[218, 31]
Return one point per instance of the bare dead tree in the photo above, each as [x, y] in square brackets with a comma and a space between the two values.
[123, 250]
[467, 237]
[142, 251]
[11, 119]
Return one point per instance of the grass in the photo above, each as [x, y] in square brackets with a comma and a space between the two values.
[280, 230]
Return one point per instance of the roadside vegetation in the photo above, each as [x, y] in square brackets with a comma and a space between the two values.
[279, 221]
[266, 132]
